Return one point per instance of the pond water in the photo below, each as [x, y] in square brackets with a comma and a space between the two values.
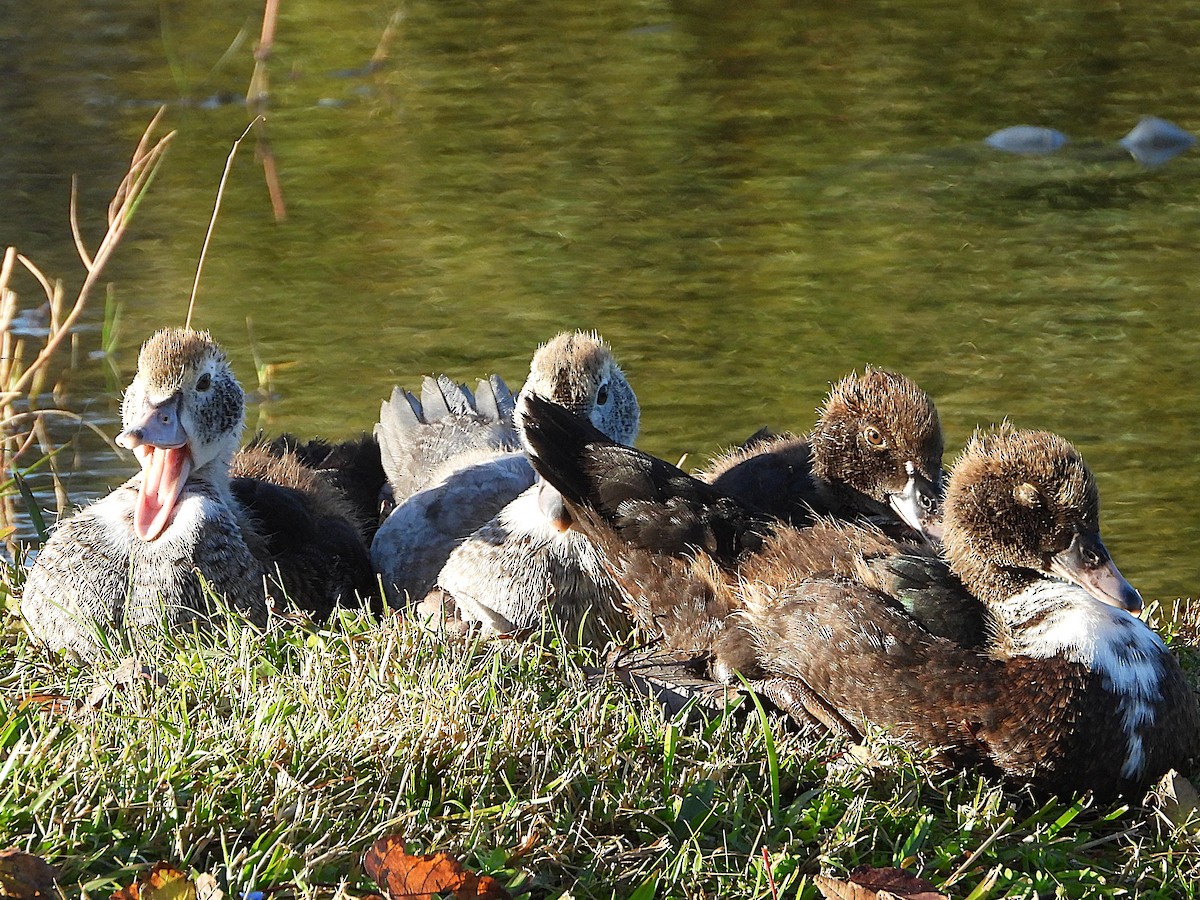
[747, 200]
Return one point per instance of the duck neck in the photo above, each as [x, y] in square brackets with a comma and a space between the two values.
[215, 474]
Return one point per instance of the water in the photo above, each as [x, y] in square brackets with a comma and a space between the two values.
[748, 200]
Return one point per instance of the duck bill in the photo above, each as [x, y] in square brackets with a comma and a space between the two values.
[917, 505]
[552, 506]
[165, 471]
[160, 444]
[1087, 564]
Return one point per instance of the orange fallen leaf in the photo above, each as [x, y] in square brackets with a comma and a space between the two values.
[56, 704]
[869, 883]
[162, 882]
[406, 877]
[24, 876]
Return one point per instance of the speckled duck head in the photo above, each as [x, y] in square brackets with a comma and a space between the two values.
[577, 370]
[182, 416]
[878, 444]
[1021, 506]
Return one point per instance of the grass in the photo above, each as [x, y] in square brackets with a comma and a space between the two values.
[273, 759]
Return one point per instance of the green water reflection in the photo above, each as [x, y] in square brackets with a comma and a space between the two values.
[748, 200]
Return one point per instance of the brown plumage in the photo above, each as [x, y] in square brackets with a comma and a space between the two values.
[1073, 694]
[875, 453]
[648, 519]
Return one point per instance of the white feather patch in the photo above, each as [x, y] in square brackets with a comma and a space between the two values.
[1056, 619]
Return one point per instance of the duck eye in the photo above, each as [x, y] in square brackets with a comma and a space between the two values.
[204, 383]
[873, 437]
[602, 395]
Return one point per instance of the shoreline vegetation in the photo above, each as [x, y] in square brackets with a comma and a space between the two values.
[267, 762]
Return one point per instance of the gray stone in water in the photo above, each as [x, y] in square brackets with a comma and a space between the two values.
[1027, 139]
[1155, 141]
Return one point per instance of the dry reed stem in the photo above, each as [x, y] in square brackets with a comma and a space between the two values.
[20, 430]
[141, 170]
[212, 222]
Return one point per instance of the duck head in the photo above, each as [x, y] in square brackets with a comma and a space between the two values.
[1023, 505]
[182, 415]
[878, 445]
[577, 370]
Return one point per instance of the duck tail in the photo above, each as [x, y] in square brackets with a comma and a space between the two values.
[648, 502]
[415, 434]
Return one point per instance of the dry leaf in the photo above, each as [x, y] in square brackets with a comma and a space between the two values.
[406, 877]
[162, 882]
[207, 888]
[122, 677]
[867, 883]
[57, 704]
[24, 876]
[1175, 798]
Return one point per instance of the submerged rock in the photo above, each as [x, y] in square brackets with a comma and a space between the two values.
[1030, 140]
[1154, 141]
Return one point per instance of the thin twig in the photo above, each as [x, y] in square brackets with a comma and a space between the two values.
[75, 232]
[212, 222]
[979, 851]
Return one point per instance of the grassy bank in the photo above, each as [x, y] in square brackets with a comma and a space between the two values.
[273, 760]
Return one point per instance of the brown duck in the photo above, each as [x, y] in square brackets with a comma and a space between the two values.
[875, 453]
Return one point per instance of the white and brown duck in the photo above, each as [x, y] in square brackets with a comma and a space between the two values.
[479, 544]
[142, 556]
[1073, 693]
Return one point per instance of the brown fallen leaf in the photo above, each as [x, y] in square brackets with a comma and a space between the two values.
[406, 877]
[24, 876]
[1176, 798]
[162, 882]
[122, 677]
[868, 883]
[55, 704]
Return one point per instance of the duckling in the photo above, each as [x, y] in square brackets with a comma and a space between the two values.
[1075, 693]
[648, 518]
[311, 530]
[876, 452]
[505, 576]
[142, 556]
[453, 461]
[352, 468]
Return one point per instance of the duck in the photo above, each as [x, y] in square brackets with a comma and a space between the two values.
[352, 468]
[875, 453]
[147, 554]
[660, 514]
[1072, 691]
[490, 566]
[526, 563]
[453, 461]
